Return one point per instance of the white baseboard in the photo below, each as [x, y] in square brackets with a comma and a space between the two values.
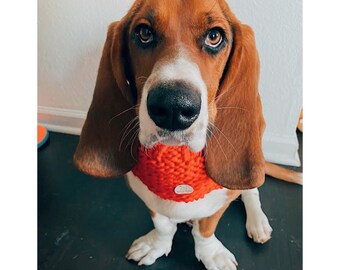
[61, 120]
[276, 149]
[281, 149]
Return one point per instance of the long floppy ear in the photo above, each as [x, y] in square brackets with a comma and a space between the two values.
[234, 156]
[107, 146]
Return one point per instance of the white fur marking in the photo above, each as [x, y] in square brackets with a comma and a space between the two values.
[180, 69]
[179, 211]
[211, 252]
[257, 224]
[148, 248]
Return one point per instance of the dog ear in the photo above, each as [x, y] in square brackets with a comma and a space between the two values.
[234, 156]
[107, 146]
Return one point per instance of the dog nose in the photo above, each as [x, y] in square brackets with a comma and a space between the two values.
[173, 106]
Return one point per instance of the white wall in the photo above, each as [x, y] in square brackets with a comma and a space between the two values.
[71, 35]
[278, 30]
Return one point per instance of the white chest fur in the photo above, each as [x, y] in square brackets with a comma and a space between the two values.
[179, 211]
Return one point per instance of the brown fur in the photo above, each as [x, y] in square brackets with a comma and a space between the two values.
[233, 154]
[282, 173]
[98, 152]
[152, 213]
[207, 226]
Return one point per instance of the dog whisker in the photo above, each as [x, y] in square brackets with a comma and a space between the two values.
[224, 136]
[132, 140]
[219, 144]
[213, 6]
[229, 90]
[128, 130]
[237, 108]
[132, 143]
[205, 152]
[125, 111]
[133, 135]
[128, 125]
[134, 130]
[146, 152]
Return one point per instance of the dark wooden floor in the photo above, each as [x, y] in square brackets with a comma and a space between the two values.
[87, 223]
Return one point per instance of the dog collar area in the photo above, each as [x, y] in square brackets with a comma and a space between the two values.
[174, 173]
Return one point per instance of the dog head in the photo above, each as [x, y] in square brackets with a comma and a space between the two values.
[177, 73]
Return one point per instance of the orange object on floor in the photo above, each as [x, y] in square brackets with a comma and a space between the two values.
[42, 135]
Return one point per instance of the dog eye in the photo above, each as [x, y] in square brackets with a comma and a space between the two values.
[214, 38]
[144, 34]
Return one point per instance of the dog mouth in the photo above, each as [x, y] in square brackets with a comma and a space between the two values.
[170, 138]
[194, 140]
[171, 141]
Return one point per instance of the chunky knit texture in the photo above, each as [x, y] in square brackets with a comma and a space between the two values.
[163, 168]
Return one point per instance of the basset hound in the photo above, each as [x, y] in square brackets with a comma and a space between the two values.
[180, 76]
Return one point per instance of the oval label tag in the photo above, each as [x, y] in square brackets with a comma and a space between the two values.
[184, 189]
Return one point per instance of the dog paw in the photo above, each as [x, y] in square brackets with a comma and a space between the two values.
[148, 248]
[215, 256]
[258, 228]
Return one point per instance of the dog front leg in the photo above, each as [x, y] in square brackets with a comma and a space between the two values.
[208, 249]
[257, 224]
[148, 248]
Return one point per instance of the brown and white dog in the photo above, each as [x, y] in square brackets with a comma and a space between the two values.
[200, 51]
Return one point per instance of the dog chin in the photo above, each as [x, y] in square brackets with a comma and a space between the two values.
[196, 144]
[171, 141]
